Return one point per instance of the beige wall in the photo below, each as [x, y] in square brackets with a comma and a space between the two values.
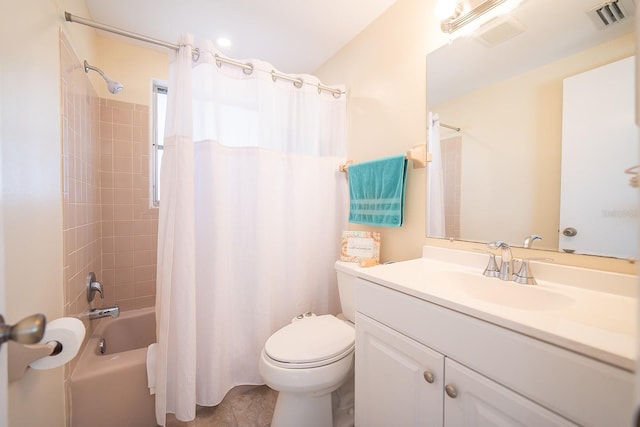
[31, 198]
[132, 65]
[384, 69]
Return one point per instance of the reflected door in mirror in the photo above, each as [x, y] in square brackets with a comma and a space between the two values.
[599, 141]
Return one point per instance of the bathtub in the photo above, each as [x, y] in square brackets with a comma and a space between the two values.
[110, 389]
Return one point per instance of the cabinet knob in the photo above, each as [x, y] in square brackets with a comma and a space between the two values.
[451, 391]
[428, 376]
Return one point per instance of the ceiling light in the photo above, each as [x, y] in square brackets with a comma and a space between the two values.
[223, 42]
[478, 15]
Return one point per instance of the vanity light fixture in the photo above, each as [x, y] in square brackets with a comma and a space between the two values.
[448, 9]
[462, 14]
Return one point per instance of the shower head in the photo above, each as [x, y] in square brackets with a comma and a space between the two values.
[114, 86]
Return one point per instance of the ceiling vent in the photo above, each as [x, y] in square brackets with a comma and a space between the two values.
[612, 12]
[499, 30]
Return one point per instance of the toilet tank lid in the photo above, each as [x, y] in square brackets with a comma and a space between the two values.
[311, 339]
[347, 267]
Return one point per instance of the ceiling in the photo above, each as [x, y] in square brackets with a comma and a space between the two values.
[295, 36]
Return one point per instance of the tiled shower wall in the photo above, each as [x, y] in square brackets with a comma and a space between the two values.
[452, 171]
[82, 225]
[129, 226]
[108, 226]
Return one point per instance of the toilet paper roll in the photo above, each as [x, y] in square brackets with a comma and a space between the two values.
[69, 332]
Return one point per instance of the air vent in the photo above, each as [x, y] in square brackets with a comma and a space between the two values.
[499, 30]
[611, 12]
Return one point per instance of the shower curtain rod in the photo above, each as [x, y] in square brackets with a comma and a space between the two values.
[444, 125]
[457, 129]
[247, 67]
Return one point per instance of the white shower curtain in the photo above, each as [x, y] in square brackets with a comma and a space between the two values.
[251, 214]
[435, 181]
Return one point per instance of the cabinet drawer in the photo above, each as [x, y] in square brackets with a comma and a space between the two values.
[579, 388]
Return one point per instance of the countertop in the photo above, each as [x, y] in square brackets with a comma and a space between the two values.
[597, 320]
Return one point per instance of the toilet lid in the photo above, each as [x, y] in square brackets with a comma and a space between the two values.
[311, 340]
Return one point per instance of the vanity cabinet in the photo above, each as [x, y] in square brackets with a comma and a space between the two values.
[472, 399]
[413, 355]
[399, 381]
[402, 382]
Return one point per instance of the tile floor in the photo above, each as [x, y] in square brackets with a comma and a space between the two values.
[252, 408]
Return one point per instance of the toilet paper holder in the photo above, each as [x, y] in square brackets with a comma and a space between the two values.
[21, 356]
[24, 350]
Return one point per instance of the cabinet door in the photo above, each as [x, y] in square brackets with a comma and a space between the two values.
[398, 381]
[479, 401]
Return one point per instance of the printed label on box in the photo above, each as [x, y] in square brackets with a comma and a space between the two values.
[357, 245]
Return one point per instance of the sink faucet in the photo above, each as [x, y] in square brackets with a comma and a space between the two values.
[506, 265]
[97, 313]
[528, 241]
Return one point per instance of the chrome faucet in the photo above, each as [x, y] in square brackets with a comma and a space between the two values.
[524, 276]
[93, 286]
[491, 270]
[528, 241]
[97, 313]
[506, 264]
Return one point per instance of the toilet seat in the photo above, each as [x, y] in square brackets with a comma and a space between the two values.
[310, 342]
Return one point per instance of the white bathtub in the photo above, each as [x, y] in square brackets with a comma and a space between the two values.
[111, 389]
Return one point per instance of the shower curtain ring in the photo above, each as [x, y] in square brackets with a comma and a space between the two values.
[195, 54]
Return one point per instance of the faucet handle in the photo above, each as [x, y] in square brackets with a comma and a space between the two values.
[492, 269]
[93, 286]
[524, 276]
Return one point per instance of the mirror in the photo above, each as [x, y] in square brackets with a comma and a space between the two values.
[503, 87]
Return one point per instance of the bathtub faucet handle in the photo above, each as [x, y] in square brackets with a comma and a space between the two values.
[93, 286]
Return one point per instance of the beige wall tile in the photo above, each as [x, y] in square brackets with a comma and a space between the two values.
[125, 205]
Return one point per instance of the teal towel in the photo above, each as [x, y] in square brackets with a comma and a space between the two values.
[376, 189]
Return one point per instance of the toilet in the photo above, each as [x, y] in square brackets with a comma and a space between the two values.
[310, 363]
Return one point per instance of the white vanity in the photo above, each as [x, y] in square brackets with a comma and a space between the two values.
[440, 344]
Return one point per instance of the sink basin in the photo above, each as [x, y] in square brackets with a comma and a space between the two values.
[504, 293]
[590, 312]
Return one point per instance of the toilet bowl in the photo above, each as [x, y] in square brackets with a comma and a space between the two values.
[310, 360]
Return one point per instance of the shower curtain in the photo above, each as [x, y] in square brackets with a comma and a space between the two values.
[251, 215]
[435, 181]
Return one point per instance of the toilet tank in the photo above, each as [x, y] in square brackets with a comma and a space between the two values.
[347, 275]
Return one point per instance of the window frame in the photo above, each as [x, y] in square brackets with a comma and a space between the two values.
[157, 146]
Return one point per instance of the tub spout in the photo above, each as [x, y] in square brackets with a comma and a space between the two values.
[97, 313]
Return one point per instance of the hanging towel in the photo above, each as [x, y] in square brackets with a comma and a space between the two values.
[151, 367]
[376, 189]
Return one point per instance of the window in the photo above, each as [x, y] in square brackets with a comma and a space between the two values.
[157, 139]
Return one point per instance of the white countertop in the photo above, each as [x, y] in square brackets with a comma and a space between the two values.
[594, 315]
